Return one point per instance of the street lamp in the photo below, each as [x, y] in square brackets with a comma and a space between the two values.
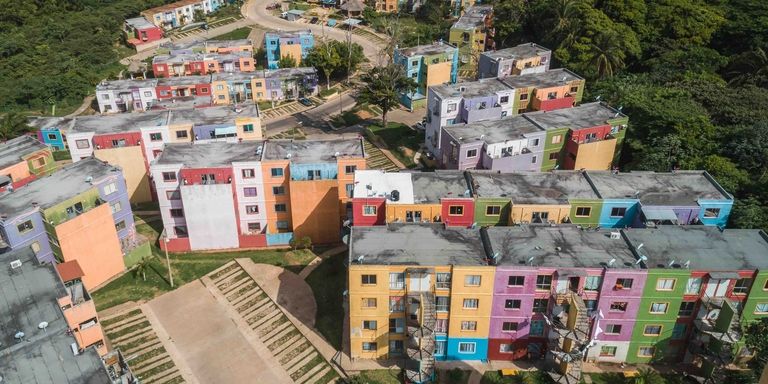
[168, 260]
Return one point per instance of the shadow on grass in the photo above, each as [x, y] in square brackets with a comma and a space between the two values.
[328, 282]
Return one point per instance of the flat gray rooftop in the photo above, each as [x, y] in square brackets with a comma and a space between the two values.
[212, 154]
[227, 43]
[287, 72]
[50, 122]
[427, 50]
[493, 131]
[556, 187]
[551, 78]
[186, 57]
[656, 188]
[522, 51]
[584, 116]
[416, 244]
[707, 248]
[287, 34]
[470, 89]
[473, 17]
[563, 246]
[119, 85]
[212, 115]
[430, 187]
[12, 151]
[312, 151]
[67, 182]
[139, 23]
[119, 122]
[44, 357]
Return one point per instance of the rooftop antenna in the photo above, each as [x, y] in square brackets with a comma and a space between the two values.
[360, 259]
[687, 264]
[612, 262]
[474, 225]
[496, 257]
[671, 263]
[642, 258]
[639, 246]
[530, 260]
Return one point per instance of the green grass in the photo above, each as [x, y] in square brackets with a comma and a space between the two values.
[618, 378]
[325, 92]
[61, 155]
[115, 320]
[327, 282]
[237, 34]
[453, 376]
[398, 136]
[346, 119]
[381, 376]
[301, 6]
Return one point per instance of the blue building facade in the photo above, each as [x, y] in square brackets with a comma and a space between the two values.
[427, 65]
[277, 44]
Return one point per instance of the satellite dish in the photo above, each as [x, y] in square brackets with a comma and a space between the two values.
[641, 259]
[345, 239]
[43, 325]
[671, 263]
[19, 335]
[530, 259]
[687, 264]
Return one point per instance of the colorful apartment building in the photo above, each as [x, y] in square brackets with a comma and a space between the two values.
[294, 44]
[139, 31]
[222, 195]
[87, 219]
[523, 59]
[54, 334]
[180, 13]
[563, 293]
[202, 91]
[427, 65]
[202, 63]
[458, 7]
[206, 46]
[22, 160]
[493, 99]
[473, 33]
[387, 5]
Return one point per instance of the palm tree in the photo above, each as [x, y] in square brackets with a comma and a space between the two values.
[749, 67]
[141, 267]
[647, 376]
[606, 54]
[13, 125]
[382, 86]
[565, 22]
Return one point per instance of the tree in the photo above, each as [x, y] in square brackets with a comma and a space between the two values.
[382, 86]
[508, 20]
[754, 337]
[141, 267]
[325, 58]
[13, 125]
[606, 54]
[199, 16]
[350, 55]
[749, 68]
[749, 148]
[287, 61]
[749, 213]
[727, 174]
[647, 376]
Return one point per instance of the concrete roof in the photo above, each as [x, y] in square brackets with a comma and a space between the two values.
[416, 244]
[44, 357]
[473, 17]
[119, 122]
[187, 57]
[470, 89]
[49, 122]
[657, 188]
[210, 154]
[12, 151]
[561, 246]
[227, 43]
[522, 51]
[707, 248]
[427, 50]
[212, 115]
[493, 131]
[171, 6]
[118, 85]
[287, 34]
[139, 23]
[63, 184]
[584, 116]
[551, 78]
[312, 151]
[377, 183]
[430, 187]
[556, 187]
[286, 72]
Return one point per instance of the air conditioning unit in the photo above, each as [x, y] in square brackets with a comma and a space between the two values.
[15, 264]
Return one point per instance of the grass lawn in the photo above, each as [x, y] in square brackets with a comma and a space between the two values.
[616, 378]
[328, 282]
[186, 267]
[399, 137]
[381, 376]
[453, 376]
[346, 119]
[237, 34]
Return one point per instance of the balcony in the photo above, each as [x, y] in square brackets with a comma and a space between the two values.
[568, 339]
[553, 104]
[482, 113]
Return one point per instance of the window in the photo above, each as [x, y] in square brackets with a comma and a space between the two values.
[248, 128]
[574, 89]
[369, 210]
[441, 325]
[467, 347]
[350, 190]
[396, 304]
[442, 303]
[693, 286]
[203, 90]
[543, 282]
[471, 303]
[493, 210]
[369, 346]
[761, 308]
[452, 107]
[277, 172]
[503, 99]
[281, 208]
[177, 212]
[472, 280]
[712, 212]
[250, 191]
[613, 329]
[618, 306]
[313, 174]
[251, 209]
[278, 190]
[443, 280]
[524, 96]
[282, 224]
[119, 143]
[535, 143]
[472, 153]
[440, 347]
[35, 247]
[369, 279]
[505, 348]
[540, 305]
[554, 156]
[608, 351]
[618, 211]
[509, 326]
[469, 325]
[646, 351]
[659, 308]
[155, 137]
[181, 134]
[590, 304]
[592, 283]
[52, 136]
[678, 331]
[369, 302]
[397, 325]
[551, 95]
[624, 283]
[557, 139]
[82, 144]
[110, 188]
[537, 328]
[456, 210]
[369, 325]
[652, 330]
[516, 281]
[180, 231]
[686, 308]
[512, 304]
[665, 284]
[350, 169]
[120, 225]
[742, 286]
[583, 211]
[254, 227]
[396, 280]
[533, 159]
[169, 176]
[25, 226]
[248, 173]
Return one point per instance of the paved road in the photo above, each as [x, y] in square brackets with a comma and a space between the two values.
[312, 120]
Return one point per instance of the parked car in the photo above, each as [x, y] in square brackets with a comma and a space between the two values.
[304, 101]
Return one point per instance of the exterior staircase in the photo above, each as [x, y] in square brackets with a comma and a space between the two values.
[420, 348]
[568, 339]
